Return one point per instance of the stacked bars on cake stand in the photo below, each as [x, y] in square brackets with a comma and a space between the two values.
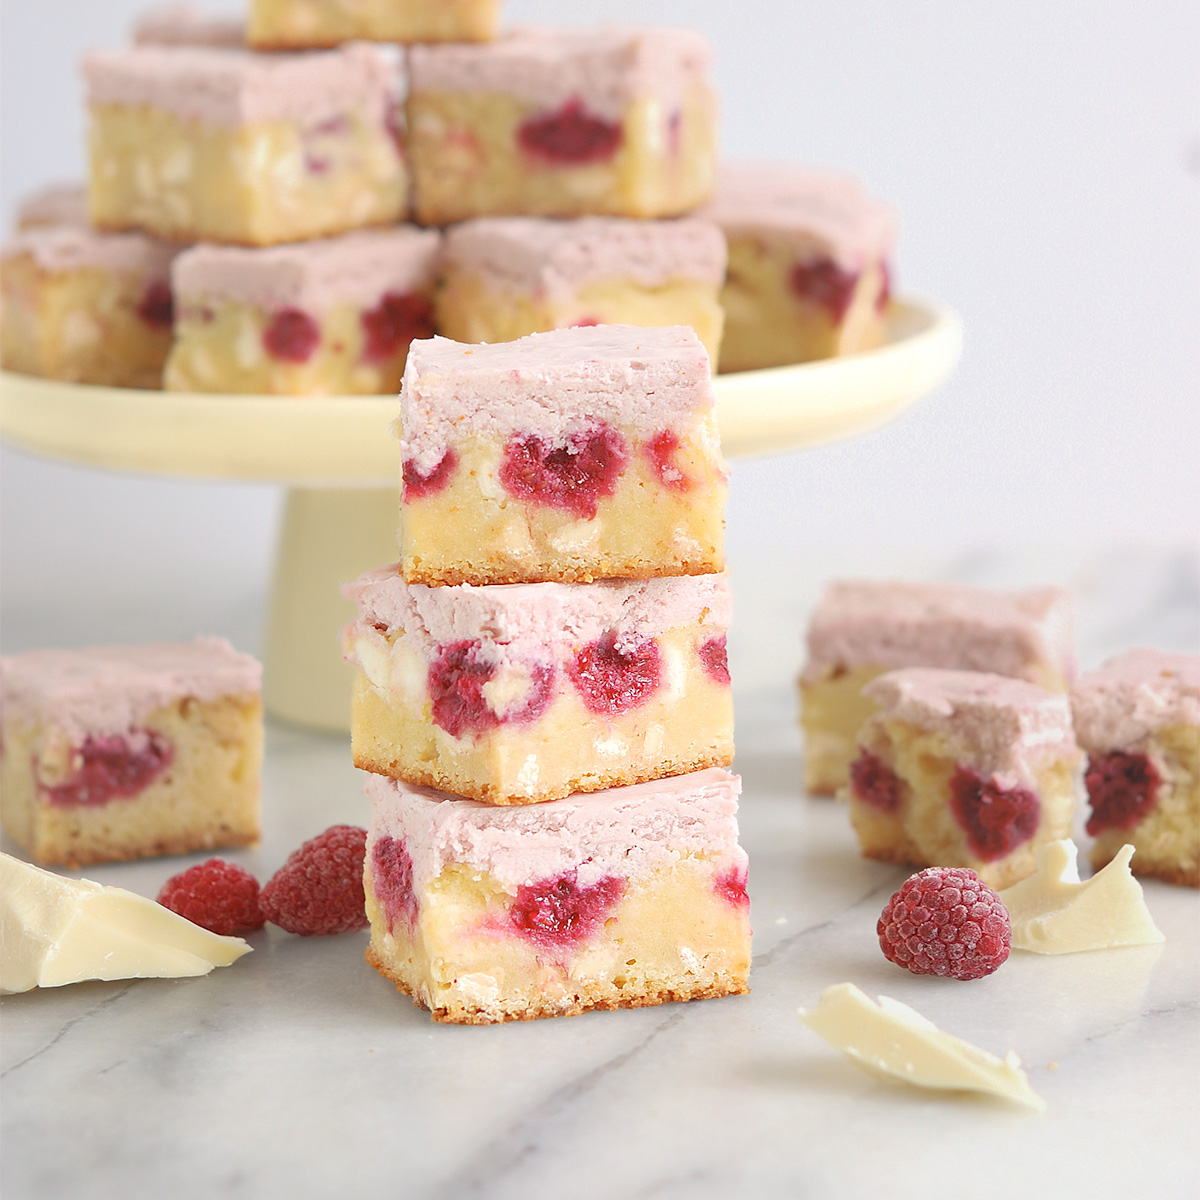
[543, 696]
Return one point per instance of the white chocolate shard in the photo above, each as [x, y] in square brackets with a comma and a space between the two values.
[1053, 913]
[895, 1041]
[55, 930]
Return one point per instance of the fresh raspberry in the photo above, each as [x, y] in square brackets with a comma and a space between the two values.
[570, 136]
[417, 485]
[1122, 789]
[875, 783]
[320, 887]
[946, 921]
[291, 336]
[661, 450]
[216, 895]
[558, 912]
[574, 476]
[394, 322]
[157, 306]
[113, 767]
[612, 678]
[714, 658]
[824, 282]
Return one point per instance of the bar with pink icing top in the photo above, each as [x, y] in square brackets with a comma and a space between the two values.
[56, 204]
[82, 306]
[187, 25]
[963, 769]
[505, 277]
[524, 693]
[562, 122]
[1138, 718]
[612, 899]
[809, 264]
[567, 456]
[862, 628]
[331, 316]
[200, 143]
[118, 752]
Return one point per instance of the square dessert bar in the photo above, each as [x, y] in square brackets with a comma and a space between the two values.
[1138, 718]
[86, 307]
[567, 456]
[615, 899]
[861, 629]
[564, 123]
[520, 693]
[194, 143]
[505, 277]
[119, 752]
[185, 25]
[298, 24]
[963, 769]
[809, 273]
[332, 316]
[58, 204]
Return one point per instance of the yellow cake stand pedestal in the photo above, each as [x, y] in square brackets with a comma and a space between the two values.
[339, 461]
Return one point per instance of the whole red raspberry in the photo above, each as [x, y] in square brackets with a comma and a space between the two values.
[320, 887]
[946, 921]
[220, 896]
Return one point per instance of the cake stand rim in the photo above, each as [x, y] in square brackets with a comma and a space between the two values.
[345, 441]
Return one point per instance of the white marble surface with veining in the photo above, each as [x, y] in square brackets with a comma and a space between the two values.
[299, 1072]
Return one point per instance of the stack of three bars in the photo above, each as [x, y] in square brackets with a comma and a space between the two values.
[550, 655]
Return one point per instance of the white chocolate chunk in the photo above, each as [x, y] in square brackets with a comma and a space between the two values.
[1053, 913]
[894, 1040]
[55, 931]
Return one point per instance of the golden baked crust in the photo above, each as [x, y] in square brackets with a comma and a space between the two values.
[460, 1015]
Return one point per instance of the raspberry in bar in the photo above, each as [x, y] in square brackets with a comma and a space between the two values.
[963, 769]
[562, 122]
[527, 692]
[195, 143]
[299, 24]
[57, 204]
[86, 307]
[120, 752]
[332, 316]
[863, 628]
[566, 456]
[186, 25]
[613, 899]
[505, 277]
[808, 273]
[1138, 718]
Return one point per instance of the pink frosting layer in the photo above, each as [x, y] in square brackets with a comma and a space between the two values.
[606, 68]
[357, 268]
[186, 25]
[1131, 696]
[625, 831]
[822, 212]
[109, 689]
[998, 726]
[551, 384]
[71, 247]
[520, 619]
[1026, 634]
[236, 87]
[543, 255]
[58, 204]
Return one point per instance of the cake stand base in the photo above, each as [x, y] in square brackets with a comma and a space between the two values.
[329, 536]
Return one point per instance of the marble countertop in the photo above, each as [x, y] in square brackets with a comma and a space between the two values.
[300, 1072]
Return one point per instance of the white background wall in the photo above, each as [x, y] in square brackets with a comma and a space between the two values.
[1045, 161]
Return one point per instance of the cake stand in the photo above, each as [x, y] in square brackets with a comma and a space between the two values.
[339, 461]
